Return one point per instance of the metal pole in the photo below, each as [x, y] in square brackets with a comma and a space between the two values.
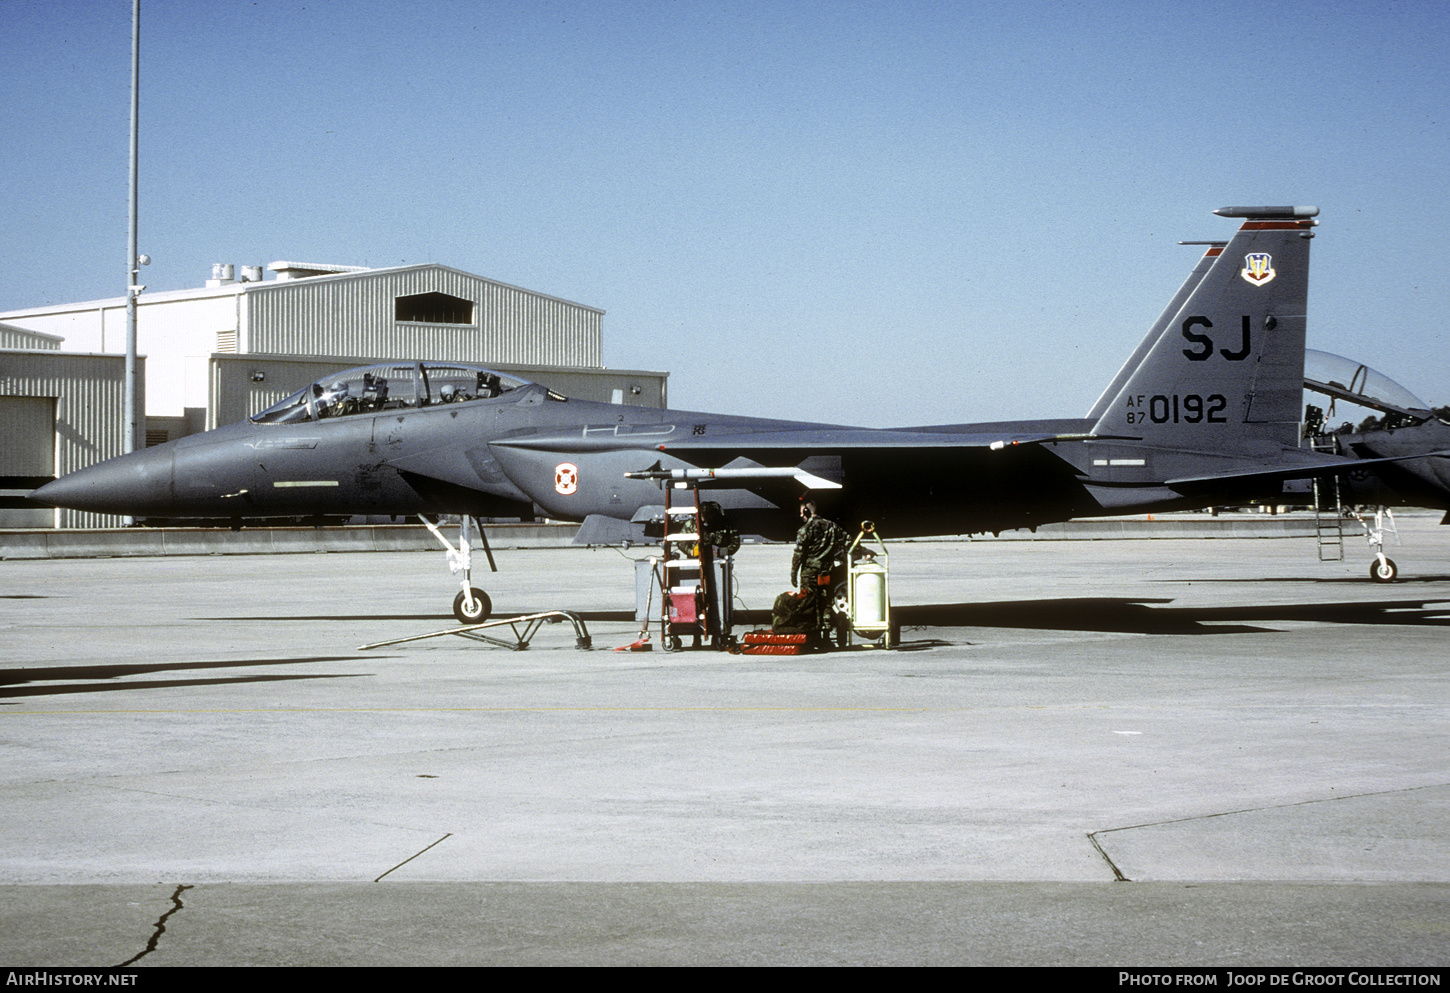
[130, 398]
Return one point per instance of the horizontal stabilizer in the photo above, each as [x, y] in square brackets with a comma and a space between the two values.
[1310, 467]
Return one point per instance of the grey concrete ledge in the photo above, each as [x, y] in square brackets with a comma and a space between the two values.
[141, 542]
[1174, 526]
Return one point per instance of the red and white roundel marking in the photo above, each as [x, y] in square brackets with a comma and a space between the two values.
[566, 477]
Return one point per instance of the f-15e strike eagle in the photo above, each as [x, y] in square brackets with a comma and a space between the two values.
[1205, 412]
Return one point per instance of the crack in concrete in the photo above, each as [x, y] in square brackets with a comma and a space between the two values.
[415, 855]
[160, 928]
[1118, 876]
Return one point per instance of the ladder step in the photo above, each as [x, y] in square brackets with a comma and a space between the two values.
[1328, 520]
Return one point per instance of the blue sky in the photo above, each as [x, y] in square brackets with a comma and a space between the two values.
[875, 213]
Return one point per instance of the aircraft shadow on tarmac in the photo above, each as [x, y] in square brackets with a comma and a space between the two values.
[85, 678]
[1127, 616]
[1103, 614]
[1316, 580]
[434, 616]
[1154, 616]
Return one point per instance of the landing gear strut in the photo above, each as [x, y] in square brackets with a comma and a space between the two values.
[1383, 568]
[472, 605]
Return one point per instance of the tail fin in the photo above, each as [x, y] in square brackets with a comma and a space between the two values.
[1151, 338]
[1224, 370]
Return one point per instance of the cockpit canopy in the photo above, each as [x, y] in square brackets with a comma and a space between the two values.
[390, 386]
[1345, 379]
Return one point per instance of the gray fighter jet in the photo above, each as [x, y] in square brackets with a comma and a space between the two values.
[1205, 412]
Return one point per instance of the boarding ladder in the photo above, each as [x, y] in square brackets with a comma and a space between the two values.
[1328, 509]
[684, 582]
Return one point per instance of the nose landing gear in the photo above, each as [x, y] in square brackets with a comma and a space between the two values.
[471, 605]
[1383, 568]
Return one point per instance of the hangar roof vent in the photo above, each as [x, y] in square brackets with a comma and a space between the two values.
[302, 270]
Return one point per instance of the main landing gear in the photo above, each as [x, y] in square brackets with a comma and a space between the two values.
[471, 605]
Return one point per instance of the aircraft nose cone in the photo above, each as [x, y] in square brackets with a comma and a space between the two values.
[135, 485]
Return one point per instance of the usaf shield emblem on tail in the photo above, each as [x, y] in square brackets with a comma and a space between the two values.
[1258, 268]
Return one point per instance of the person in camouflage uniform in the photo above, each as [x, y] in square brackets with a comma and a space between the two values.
[818, 545]
[717, 532]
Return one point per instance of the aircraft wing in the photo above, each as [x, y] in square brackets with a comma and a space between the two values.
[914, 480]
[861, 440]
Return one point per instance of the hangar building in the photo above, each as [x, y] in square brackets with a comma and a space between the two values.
[216, 354]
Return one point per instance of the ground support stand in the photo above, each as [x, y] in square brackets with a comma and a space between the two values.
[524, 629]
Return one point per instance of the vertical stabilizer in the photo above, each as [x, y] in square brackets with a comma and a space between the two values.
[1190, 284]
[1226, 371]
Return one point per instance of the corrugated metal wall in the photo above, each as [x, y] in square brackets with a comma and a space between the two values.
[13, 337]
[354, 315]
[88, 392]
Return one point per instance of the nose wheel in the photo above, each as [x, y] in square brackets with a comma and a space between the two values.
[472, 606]
[1383, 570]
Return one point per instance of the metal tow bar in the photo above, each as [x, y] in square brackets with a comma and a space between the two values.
[522, 636]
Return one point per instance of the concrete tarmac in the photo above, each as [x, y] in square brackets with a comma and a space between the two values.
[1115, 753]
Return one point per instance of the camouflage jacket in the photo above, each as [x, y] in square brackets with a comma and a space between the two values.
[818, 544]
[725, 539]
